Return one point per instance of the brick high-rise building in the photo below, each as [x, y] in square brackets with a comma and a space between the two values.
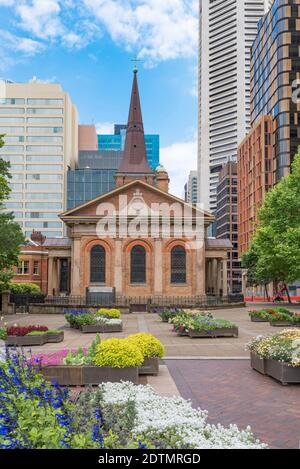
[255, 178]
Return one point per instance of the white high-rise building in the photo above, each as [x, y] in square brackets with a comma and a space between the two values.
[40, 125]
[227, 31]
[191, 188]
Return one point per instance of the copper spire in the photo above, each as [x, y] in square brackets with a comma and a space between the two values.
[135, 160]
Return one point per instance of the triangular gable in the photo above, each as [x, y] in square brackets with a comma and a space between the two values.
[149, 192]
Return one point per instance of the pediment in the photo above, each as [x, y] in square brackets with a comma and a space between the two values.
[136, 198]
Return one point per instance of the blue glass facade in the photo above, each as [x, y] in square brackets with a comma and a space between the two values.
[116, 142]
[87, 184]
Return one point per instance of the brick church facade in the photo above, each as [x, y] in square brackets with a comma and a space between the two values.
[138, 239]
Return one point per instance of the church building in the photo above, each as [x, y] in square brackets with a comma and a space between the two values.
[137, 239]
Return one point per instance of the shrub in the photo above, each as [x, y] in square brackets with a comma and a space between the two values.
[263, 314]
[3, 333]
[168, 314]
[280, 317]
[25, 288]
[53, 331]
[207, 324]
[149, 345]
[22, 331]
[118, 353]
[109, 313]
[80, 319]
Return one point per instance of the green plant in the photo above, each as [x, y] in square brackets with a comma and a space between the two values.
[3, 333]
[207, 324]
[118, 353]
[109, 313]
[283, 346]
[75, 358]
[25, 288]
[263, 314]
[37, 333]
[149, 345]
[280, 317]
[53, 331]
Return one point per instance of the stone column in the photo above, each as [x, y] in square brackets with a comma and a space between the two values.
[225, 279]
[118, 267]
[209, 276]
[158, 266]
[215, 276]
[50, 276]
[200, 268]
[75, 274]
[219, 277]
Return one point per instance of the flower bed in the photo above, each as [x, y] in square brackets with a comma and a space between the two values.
[277, 355]
[109, 360]
[32, 335]
[117, 416]
[277, 317]
[201, 325]
[105, 321]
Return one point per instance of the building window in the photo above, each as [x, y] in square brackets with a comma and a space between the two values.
[138, 265]
[36, 268]
[178, 265]
[98, 261]
[23, 269]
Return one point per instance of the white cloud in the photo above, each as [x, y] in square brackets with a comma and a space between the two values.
[157, 30]
[179, 159]
[105, 128]
[7, 3]
[41, 18]
[13, 48]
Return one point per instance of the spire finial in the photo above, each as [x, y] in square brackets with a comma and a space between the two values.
[135, 60]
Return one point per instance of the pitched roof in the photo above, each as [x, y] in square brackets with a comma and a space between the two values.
[118, 190]
[135, 158]
[57, 242]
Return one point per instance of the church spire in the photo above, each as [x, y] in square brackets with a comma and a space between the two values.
[135, 161]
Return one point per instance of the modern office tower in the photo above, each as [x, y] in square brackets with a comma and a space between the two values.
[93, 176]
[275, 75]
[191, 188]
[255, 178]
[227, 31]
[116, 142]
[226, 221]
[40, 124]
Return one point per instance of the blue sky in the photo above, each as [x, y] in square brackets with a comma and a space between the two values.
[87, 45]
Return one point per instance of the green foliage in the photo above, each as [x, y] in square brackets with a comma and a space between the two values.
[25, 288]
[37, 333]
[3, 333]
[118, 353]
[109, 313]
[275, 247]
[80, 320]
[53, 331]
[205, 324]
[149, 345]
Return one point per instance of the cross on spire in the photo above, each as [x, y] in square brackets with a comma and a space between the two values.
[135, 60]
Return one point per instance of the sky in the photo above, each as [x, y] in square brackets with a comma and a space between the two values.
[87, 46]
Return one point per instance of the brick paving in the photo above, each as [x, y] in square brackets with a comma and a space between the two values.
[233, 393]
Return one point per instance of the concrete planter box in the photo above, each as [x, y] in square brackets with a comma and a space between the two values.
[281, 323]
[55, 338]
[26, 341]
[150, 366]
[104, 328]
[182, 333]
[258, 363]
[282, 372]
[67, 375]
[258, 319]
[222, 332]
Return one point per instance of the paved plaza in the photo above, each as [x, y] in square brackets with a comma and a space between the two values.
[214, 373]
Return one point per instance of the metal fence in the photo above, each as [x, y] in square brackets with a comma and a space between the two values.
[137, 303]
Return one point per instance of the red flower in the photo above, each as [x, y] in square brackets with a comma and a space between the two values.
[22, 331]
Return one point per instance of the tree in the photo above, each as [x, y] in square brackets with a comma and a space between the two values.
[11, 236]
[276, 242]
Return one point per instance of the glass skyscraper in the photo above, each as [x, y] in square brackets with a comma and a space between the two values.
[116, 142]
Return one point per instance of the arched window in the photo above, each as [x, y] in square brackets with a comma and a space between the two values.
[178, 265]
[97, 263]
[138, 265]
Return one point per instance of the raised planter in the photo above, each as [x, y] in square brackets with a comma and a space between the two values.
[182, 333]
[258, 319]
[103, 328]
[67, 375]
[55, 338]
[258, 363]
[283, 372]
[150, 366]
[222, 332]
[281, 323]
[26, 340]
